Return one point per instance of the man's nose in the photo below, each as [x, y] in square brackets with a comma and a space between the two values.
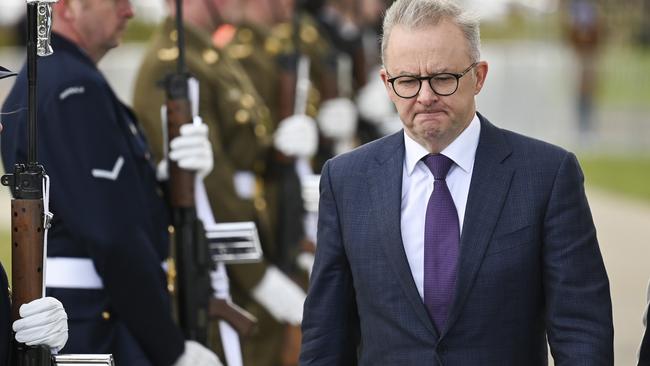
[426, 95]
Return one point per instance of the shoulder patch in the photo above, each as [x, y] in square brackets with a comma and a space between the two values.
[71, 91]
[109, 174]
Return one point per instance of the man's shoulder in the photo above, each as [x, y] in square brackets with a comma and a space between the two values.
[522, 147]
[530, 149]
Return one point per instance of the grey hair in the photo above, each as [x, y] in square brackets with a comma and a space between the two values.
[414, 14]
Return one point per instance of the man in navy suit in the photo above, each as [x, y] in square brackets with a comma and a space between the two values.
[482, 265]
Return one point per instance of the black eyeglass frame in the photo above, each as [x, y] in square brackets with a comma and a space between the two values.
[428, 78]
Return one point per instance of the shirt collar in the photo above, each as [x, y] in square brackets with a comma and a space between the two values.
[462, 150]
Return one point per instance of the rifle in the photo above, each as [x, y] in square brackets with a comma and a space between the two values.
[29, 206]
[29, 219]
[193, 261]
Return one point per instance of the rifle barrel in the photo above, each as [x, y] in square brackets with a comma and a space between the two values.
[31, 77]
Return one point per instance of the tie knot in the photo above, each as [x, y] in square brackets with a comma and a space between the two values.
[438, 164]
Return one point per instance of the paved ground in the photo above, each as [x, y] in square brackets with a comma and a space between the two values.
[523, 77]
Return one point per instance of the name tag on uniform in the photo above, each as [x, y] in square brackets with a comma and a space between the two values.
[83, 360]
[234, 242]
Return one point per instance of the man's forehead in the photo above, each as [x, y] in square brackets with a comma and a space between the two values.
[434, 46]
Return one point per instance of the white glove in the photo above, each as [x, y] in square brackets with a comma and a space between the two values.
[280, 296]
[297, 136]
[373, 101]
[196, 354]
[305, 261]
[162, 171]
[192, 150]
[337, 118]
[43, 322]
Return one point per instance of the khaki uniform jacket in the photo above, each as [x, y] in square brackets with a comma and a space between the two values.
[240, 130]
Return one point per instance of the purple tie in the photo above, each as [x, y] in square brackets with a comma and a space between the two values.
[441, 242]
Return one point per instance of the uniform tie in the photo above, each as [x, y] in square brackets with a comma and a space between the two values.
[441, 243]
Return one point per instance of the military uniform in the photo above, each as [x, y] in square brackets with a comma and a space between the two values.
[5, 327]
[109, 215]
[5, 322]
[265, 53]
[241, 132]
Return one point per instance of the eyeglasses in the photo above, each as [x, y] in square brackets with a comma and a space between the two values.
[443, 84]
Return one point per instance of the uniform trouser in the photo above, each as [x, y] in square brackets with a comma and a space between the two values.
[264, 347]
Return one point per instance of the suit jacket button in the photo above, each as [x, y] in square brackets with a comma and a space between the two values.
[106, 315]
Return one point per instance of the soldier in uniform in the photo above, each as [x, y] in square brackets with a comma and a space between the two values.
[245, 140]
[43, 321]
[109, 233]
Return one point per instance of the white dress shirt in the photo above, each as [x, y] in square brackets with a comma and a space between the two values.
[417, 186]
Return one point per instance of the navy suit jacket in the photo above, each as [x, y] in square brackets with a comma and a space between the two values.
[530, 269]
[644, 354]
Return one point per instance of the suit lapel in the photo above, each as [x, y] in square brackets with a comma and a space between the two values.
[385, 180]
[488, 189]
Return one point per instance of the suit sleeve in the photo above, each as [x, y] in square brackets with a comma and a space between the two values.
[578, 302]
[644, 351]
[82, 133]
[330, 322]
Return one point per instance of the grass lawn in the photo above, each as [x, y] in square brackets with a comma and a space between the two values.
[628, 175]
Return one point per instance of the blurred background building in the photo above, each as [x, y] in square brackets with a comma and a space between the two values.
[551, 76]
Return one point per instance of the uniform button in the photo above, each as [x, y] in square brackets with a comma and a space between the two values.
[247, 101]
[242, 116]
[170, 229]
[308, 34]
[260, 130]
[312, 110]
[210, 56]
[134, 130]
[260, 203]
[106, 315]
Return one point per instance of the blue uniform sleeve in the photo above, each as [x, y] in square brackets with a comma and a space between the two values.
[330, 322]
[97, 193]
[5, 323]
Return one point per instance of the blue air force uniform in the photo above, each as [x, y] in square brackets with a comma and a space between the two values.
[5, 322]
[108, 210]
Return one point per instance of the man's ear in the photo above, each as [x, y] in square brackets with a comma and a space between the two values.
[481, 75]
[383, 74]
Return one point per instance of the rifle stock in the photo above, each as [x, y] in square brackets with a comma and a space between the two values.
[242, 321]
[192, 257]
[193, 261]
[27, 236]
